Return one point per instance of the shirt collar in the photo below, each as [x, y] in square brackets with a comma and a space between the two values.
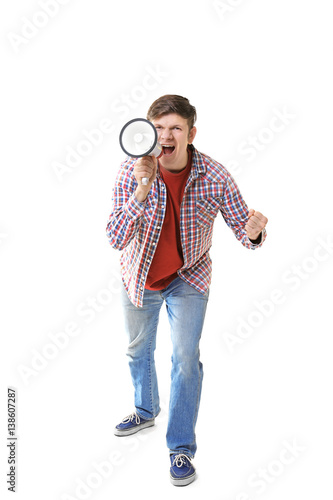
[198, 164]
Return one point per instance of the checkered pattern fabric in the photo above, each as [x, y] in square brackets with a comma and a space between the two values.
[134, 227]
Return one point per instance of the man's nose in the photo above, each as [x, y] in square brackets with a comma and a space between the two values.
[166, 134]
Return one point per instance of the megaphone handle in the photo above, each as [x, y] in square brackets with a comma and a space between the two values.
[145, 181]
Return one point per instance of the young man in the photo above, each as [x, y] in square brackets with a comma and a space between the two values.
[164, 230]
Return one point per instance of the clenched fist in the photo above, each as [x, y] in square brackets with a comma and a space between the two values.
[255, 224]
[144, 167]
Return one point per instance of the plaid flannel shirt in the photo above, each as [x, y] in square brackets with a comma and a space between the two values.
[135, 227]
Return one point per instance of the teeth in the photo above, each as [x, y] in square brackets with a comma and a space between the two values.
[167, 145]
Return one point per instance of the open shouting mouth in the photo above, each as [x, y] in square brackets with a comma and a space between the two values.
[167, 149]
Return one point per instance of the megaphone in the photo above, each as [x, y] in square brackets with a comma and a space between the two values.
[138, 138]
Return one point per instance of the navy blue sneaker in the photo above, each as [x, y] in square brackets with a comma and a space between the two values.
[132, 424]
[182, 471]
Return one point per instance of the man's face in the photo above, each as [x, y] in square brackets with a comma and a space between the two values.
[174, 135]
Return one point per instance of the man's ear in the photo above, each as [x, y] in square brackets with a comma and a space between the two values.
[192, 135]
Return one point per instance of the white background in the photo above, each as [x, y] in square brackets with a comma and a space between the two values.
[238, 62]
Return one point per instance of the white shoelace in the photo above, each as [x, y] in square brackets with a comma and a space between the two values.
[179, 460]
[130, 418]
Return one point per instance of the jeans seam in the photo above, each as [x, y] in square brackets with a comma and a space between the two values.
[149, 376]
[198, 393]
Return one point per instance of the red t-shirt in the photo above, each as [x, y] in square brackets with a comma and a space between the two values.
[168, 256]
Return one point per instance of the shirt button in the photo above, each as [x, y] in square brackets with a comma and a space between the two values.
[158, 227]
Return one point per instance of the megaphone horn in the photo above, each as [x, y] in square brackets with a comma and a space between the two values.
[138, 138]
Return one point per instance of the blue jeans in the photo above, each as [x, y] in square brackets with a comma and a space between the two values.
[186, 309]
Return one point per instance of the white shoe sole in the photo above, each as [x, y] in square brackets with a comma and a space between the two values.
[134, 430]
[183, 482]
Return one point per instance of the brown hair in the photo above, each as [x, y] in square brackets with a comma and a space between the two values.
[173, 104]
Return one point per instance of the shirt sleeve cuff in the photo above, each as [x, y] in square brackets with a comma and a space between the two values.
[134, 208]
[260, 238]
